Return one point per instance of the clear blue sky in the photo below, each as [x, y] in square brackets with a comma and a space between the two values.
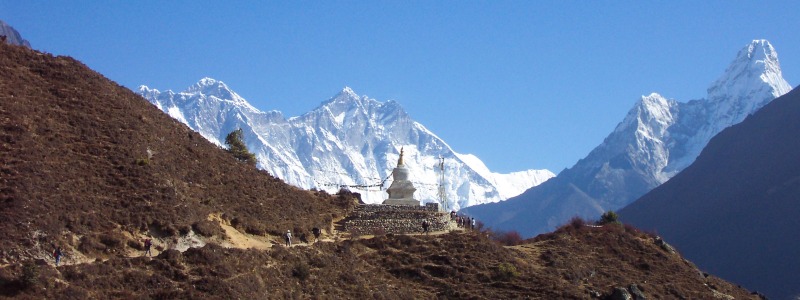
[520, 84]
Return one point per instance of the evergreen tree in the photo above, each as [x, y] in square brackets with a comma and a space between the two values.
[609, 217]
[236, 146]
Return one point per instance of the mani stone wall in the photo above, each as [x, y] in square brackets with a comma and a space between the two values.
[371, 219]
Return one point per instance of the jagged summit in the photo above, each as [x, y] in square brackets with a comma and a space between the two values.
[206, 88]
[208, 82]
[651, 111]
[213, 87]
[348, 97]
[348, 91]
[755, 64]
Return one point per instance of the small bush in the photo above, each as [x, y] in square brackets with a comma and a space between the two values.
[111, 240]
[207, 228]
[89, 245]
[507, 238]
[30, 274]
[142, 161]
[506, 271]
[479, 225]
[577, 222]
[301, 271]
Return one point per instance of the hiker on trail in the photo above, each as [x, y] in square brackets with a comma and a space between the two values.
[473, 223]
[425, 226]
[288, 238]
[316, 233]
[148, 243]
[458, 221]
[57, 255]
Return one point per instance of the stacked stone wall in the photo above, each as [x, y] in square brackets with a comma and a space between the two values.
[373, 219]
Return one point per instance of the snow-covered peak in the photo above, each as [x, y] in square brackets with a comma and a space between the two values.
[652, 111]
[348, 101]
[349, 92]
[145, 89]
[756, 64]
[148, 93]
[210, 86]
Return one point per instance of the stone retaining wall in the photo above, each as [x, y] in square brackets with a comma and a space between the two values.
[372, 219]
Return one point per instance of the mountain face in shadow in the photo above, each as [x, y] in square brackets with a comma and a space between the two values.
[735, 211]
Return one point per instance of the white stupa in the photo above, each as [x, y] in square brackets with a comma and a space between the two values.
[401, 192]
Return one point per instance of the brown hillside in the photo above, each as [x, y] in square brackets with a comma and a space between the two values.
[84, 159]
[574, 263]
[91, 167]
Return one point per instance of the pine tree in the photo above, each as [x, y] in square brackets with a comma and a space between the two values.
[609, 217]
[236, 146]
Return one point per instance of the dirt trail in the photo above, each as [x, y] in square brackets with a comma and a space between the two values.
[238, 239]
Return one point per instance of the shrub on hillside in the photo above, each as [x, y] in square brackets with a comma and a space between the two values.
[30, 274]
[301, 271]
[90, 245]
[207, 228]
[507, 238]
[576, 222]
[505, 272]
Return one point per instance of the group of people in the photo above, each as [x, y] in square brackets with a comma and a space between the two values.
[463, 221]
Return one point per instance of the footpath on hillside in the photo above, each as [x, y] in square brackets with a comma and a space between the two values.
[233, 238]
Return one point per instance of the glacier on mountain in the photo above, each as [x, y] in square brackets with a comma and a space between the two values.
[658, 138]
[348, 141]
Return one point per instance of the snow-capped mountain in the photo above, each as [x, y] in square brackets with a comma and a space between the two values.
[658, 138]
[349, 140]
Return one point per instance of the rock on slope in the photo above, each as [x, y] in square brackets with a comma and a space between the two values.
[658, 138]
[735, 210]
[349, 140]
